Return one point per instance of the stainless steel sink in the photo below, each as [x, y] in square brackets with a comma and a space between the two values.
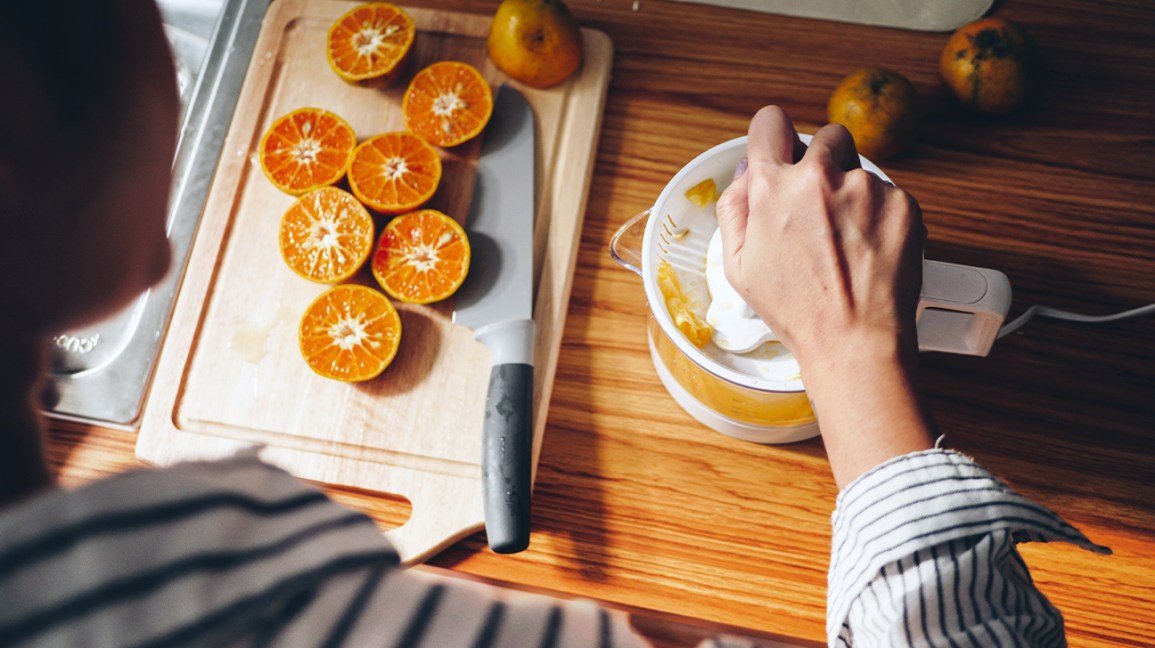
[101, 372]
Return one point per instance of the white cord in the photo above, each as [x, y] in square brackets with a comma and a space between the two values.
[1054, 313]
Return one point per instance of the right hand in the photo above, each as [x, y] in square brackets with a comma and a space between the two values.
[828, 254]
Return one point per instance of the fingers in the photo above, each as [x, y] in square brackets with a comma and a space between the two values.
[733, 210]
[833, 143]
[773, 140]
[916, 228]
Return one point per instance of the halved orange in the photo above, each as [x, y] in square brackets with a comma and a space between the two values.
[350, 333]
[447, 103]
[306, 149]
[421, 257]
[394, 172]
[369, 41]
[326, 235]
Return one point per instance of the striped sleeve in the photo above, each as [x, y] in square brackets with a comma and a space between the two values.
[186, 555]
[451, 612]
[238, 552]
[923, 553]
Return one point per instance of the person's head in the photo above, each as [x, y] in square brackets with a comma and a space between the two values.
[88, 127]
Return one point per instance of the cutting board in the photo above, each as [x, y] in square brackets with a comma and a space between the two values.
[230, 376]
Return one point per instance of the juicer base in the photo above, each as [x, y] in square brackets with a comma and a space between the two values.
[724, 424]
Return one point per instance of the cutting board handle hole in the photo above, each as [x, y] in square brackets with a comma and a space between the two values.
[388, 510]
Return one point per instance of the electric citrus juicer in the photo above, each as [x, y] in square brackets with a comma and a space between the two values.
[744, 384]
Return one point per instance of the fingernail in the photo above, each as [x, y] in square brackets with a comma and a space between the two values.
[740, 169]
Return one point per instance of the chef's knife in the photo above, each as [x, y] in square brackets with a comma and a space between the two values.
[497, 303]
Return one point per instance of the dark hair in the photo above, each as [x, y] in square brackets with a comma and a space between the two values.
[70, 49]
[59, 63]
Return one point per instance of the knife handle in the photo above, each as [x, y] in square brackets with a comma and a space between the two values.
[508, 450]
[507, 441]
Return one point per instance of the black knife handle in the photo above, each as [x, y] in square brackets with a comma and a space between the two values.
[507, 456]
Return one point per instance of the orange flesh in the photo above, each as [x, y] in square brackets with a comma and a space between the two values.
[369, 41]
[306, 149]
[394, 172]
[448, 103]
[422, 257]
[326, 235]
[350, 333]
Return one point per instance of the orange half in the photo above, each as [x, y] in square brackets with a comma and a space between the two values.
[306, 149]
[369, 41]
[326, 235]
[421, 257]
[350, 333]
[394, 172]
[447, 103]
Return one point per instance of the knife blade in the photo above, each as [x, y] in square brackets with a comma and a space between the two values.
[496, 301]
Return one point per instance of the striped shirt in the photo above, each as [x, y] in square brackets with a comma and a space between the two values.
[238, 552]
[923, 554]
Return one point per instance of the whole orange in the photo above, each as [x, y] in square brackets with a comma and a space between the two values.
[537, 42]
[879, 107]
[990, 66]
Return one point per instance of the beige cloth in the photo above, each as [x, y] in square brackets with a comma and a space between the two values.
[922, 15]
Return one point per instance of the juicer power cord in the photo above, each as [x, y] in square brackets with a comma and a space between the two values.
[1054, 313]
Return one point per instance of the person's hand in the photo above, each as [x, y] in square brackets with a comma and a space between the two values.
[827, 254]
[830, 256]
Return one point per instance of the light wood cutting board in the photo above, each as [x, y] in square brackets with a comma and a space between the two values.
[230, 375]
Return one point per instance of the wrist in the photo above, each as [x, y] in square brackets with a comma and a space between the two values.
[869, 406]
[889, 355]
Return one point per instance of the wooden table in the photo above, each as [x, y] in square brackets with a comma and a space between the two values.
[638, 505]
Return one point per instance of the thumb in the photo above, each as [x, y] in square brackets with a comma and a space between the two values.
[733, 211]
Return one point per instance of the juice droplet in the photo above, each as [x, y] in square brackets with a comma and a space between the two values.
[251, 343]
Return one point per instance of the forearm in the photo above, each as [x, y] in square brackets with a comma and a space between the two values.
[868, 403]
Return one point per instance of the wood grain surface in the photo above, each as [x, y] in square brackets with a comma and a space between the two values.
[231, 374]
[638, 505]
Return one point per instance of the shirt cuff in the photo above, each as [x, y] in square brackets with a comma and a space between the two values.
[920, 500]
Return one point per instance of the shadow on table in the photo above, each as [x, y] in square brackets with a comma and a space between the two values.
[1062, 410]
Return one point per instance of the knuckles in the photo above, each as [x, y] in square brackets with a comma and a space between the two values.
[904, 213]
[770, 112]
[841, 134]
[861, 181]
[816, 174]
